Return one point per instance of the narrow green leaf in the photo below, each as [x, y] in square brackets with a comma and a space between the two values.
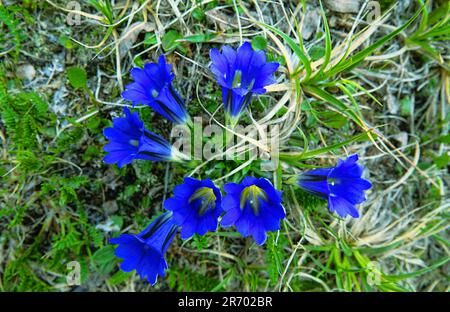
[360, 56]
[295, 47]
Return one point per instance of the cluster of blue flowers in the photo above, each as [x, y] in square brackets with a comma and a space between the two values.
[253, 206]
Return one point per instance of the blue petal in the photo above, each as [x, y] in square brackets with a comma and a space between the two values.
[188, 228]
[154, 147]
[231, 215]
[323, 172]
[130, 249]
[350, 189]
[219, 65]
[125, 131]
[271, 214]
[145, 252]
[342, 207]
[248, 220]
[232, 188]
[244, 57]
[243, 223]
[211, 222]
[265, 77]
[202, 227]
[186, 212]
[248, 181]
[137, 96]
[229, 53]
[347, 168]
[153, 86]
[172, 204]
[259, 234]
[250, 66]
[150, 266]
[273, 194]
[317, 187]
[231, 200]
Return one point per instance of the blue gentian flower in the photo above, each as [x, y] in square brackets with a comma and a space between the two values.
[341, 185]
[144, 252]
[130, 140]
[241, 73]
[196, 206]
[254, 207]
[152, 86]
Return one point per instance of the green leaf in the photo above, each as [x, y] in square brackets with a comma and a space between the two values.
[333, 119]
[440, 262]
[150, 39]
[200, 242]
[259, 43]
[66, 42]
[77, 77]
[316, 52]
[360, 56]
[169, 40]
[274, 257]
[118, 221]
[295, 47]
[327, 53]
[103, 255]
[198, 38]
[405, 106]
[332, 100]
[444, 139]
[119, 277]
[103, 259]
[309, 154]
[198, 14]
[442, 161]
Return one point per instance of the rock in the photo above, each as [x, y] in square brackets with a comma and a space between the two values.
[312, 20]
[402, 138]
[131, 34]
[343, 6]
[108, 226]
[26, 72]
[110, 207]
[224, 21]
[392, 103]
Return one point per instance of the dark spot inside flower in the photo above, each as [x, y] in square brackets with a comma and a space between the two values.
[237, 79]
[252, 195]
[134, 142]
[333, 181]
[250, 86]
[206, 197]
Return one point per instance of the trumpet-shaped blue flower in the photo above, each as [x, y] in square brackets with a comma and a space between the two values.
[152, 86]
[241, 73]
[130, 140]
[196, 206]
[254, 207]
[144, 252]
[341, 185]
